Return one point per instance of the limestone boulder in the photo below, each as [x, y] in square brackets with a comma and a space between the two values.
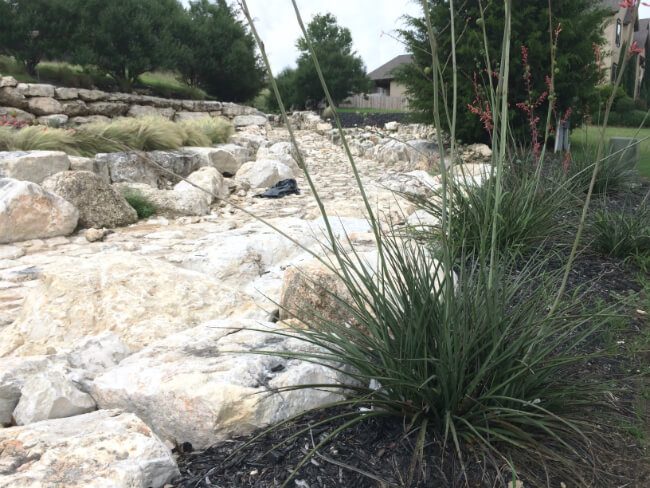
[149, 111]
[56, 120]
[51, 395]
[169, 203]
[280, 151]
[94, 354]
[181, 116]
[14, 372]
[226, 158]
[44, 106]
[64, 93]
[208, 179]
[7, 81]
[138, 298]
[32, 166]
[79, 163]
[98, 203]
[74, 108]
[92, 95]
[181, 163]
[263, 173]
[245, 120]
[11, 97]
[108, 109]
[16, 114]
[29, 212]
[205, 385]
[36, 90]
[311, 289]
[129, 167]
[102, 449]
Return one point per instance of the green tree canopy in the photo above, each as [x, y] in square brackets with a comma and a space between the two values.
[218, 52]
[33, 29]
[126, 38]
[343, 69]
[580, 29]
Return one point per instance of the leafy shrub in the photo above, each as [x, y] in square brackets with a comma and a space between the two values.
[622, 233]
[142, 205]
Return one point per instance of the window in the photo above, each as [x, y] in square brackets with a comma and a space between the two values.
[614, 72]
[619, 27]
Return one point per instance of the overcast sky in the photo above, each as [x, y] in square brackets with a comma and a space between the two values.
[372, 22]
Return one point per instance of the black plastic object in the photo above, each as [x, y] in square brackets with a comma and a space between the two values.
[281, 189]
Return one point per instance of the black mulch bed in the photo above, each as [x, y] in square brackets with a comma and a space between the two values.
[376, 452]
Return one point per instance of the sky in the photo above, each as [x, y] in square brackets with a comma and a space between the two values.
[373, 25]
[371, 22]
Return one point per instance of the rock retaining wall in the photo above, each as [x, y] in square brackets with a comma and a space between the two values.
[50, 105]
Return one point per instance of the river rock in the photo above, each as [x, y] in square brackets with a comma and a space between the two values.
[102, 449]
[204, 386]
[29, 212]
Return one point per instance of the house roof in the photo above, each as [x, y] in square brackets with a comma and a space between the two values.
[385, 71]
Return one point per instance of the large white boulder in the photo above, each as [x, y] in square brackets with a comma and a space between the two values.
[96, 450]
[263, 173]
[170, 203]
[280, 151]
[32, 166]
[51, 395]
[226, 158]
[205, 385]
[29, 212]
[140, 299]
[98, 203]
[93, 354]
[14, 372]
[208, 179]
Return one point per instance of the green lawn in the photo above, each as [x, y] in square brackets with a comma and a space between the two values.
[587, 136]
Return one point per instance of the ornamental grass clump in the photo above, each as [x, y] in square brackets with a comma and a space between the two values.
[480, 355]
[212, 130]
[623, 233]
[531, 208]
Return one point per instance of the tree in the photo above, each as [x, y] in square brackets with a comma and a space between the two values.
[218, 52]
[580, 25]
[343, 69]
[33, 29]
[125, 38]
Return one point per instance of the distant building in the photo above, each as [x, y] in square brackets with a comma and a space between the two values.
[383, 78]
[616, 32]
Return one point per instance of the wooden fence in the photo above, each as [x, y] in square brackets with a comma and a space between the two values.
[375, 101]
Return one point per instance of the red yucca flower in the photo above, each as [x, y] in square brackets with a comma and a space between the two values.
[635, 49]
[632, 4]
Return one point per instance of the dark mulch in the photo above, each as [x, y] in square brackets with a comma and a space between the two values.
[374, 453]
[377, 453]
